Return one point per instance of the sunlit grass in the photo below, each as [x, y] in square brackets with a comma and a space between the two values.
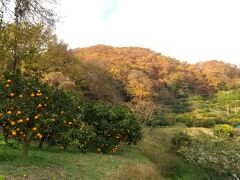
[149, 160]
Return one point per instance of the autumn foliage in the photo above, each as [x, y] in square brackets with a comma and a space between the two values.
[146, 73]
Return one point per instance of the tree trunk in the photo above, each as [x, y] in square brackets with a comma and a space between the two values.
[26, 148]
[40, 145]
[27, 142]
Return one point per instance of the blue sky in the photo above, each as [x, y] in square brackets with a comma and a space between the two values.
[189, 30]
[110, 7]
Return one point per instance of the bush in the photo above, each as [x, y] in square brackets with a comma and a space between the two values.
[221, 120]
[196, 122]
[207, 123]
[77, 138]
[182, 118]
[223, 130]
[113, 125]
[233, 121]
[180, 139]
[166, 120]
[213, 155]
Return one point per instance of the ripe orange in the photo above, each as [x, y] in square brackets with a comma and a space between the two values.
[7, 85]
[39, 106]
[14, 133]
[32, 95]
[70, 123]
[20, 95]
[27, 119]
[18, 113]
[20, 121]
[34, 129]
[11, 94]
[39, 135]
[36, 117]
[38, 91]
[1, 115]
[39, 94]
[13, 123]
[9, 81]
[114, 149]
[18, 129]
[9, 112]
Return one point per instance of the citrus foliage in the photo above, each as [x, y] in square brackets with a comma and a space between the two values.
[24, 110]
[113, 125]
[31, 110]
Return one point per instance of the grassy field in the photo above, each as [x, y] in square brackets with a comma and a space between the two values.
[148, 160]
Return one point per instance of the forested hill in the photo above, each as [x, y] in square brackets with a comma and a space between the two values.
[144, 73]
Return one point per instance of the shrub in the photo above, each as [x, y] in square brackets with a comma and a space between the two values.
[223, 130]
[207, 123]
[113, 125]
[183, 118]
[180, 139]
[191, 123]
[221, 120]
[196, 122]
[79, 137]
[233, 121]
[217, 157]
[166, 120]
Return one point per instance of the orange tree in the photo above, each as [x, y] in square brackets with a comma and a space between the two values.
[31, 110]
[113, 125]
[65, 127]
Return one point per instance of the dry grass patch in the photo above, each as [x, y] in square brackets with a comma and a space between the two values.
[133, 172]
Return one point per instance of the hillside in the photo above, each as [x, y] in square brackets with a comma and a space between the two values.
[146, 74]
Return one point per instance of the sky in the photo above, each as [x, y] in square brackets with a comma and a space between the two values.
[188, 30]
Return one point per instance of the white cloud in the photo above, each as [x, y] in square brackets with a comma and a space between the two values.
[190, 30]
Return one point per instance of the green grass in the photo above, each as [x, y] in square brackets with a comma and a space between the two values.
[46, 164]
[149, 160]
